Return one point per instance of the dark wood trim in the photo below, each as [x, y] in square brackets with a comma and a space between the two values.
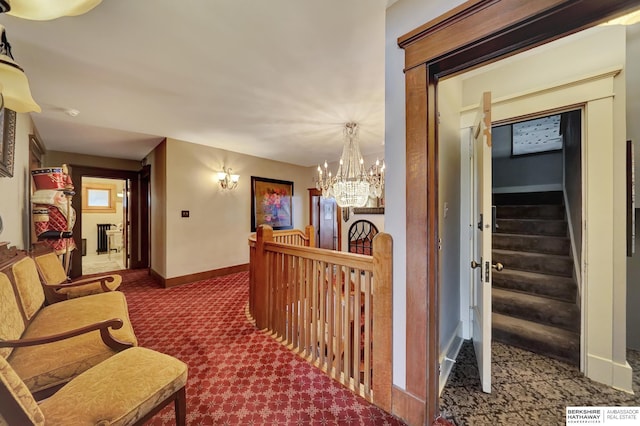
[184, 279]
[630, 206]
[141, 191]
[408, 407]
[138, 244]
[417, 240]
[156, 276]
[475, 33]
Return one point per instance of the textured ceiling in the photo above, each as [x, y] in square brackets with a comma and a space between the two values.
[275, 79]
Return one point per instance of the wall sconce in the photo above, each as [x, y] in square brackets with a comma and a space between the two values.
[227, 180]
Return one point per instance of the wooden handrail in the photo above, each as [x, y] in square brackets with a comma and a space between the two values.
[351, 260]
[332, 308]
[290, 236]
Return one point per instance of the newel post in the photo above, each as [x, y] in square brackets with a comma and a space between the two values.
[261, 300]
[310, 234]
[382, 320]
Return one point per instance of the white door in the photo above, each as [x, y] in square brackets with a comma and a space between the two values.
[481, 295]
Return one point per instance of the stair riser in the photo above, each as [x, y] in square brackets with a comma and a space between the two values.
[535, 263]
[528, 198]
[532, 227]
[537, 244]
[554, 212]
[550, 287]
[567, 319]
[570, 355]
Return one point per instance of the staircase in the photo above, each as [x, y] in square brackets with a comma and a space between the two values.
[534, 297]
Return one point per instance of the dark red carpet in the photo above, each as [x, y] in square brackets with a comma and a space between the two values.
[237, 374]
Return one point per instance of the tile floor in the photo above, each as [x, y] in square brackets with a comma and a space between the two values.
[97, 263]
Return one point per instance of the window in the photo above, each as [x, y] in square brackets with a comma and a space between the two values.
[98, 198]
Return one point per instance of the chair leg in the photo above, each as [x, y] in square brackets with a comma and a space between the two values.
[181, 407]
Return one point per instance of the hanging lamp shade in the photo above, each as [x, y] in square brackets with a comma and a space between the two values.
[45, 10]
[14, 85]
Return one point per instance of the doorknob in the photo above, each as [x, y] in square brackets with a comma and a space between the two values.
[474, 264]
[498, 266]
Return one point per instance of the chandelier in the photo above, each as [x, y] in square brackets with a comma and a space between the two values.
[353, 184]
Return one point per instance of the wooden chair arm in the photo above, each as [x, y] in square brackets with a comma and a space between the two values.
[103, 326]
[79, 283]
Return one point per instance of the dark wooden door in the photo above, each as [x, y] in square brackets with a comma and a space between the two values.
[140, 257]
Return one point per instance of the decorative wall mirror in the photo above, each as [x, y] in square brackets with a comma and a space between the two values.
[7, 141]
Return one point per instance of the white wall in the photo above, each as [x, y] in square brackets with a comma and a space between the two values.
[402, 17]
[539, 172]
[14, 191]
[449, 229]
[90, 219]
[215, 235]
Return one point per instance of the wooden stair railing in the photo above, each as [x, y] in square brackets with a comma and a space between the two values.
[332, 308]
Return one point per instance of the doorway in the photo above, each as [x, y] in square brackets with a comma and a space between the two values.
[324, 215]
[573, 180]
[135, 235]
[537, 197]
[457, 41]
[105, 225]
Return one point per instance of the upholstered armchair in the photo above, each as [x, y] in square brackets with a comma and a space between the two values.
[58, 287]
[126, 389]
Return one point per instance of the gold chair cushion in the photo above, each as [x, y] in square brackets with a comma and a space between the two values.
[21, 396]
[11, 325]
[51, 269]
[44, 366]
[29, 286]
[91, 287]
[118, 391]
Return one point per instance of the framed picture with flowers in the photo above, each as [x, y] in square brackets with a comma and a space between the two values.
[271, 203]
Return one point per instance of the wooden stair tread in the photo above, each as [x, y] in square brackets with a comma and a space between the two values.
[542, 310]
[552, 341]
[553, 286]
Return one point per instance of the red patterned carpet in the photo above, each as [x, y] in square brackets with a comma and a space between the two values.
[237, 374]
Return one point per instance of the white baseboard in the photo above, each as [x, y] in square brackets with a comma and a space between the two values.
[608, 372]
[448, 356]
[527, 188]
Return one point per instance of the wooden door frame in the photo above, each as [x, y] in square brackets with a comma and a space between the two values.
[137, 245]
[475, 33]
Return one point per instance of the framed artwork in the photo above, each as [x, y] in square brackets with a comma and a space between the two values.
[98, 198]
[271, 203]
[7, 141]
[536, 136]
